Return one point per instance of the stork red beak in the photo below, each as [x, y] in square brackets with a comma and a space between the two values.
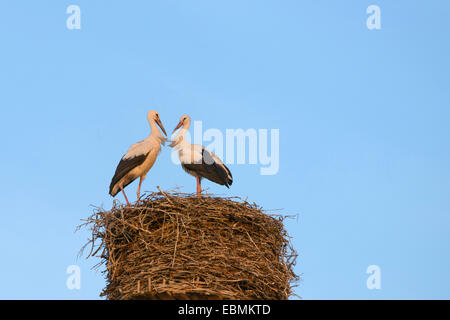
[178, 126]
[158, 122]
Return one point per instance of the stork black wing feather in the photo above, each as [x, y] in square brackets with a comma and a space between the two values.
[125, 166]
[221, 170]
[210, 170]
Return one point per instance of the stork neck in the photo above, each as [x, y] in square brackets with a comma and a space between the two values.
[155, 132]
[180, 139]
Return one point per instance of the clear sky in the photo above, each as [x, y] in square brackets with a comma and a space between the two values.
[363, 117]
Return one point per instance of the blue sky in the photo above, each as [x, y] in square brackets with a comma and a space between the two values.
[363, 118]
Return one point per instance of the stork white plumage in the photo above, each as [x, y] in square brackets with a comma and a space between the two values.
[197, 160]
[139, 159]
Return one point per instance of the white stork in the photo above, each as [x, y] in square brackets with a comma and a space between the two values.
[197, 160]
[139, 159]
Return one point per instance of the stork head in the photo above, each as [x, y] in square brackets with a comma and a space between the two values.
[185, 122]
[153, 116]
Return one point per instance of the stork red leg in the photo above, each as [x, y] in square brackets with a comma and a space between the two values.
[139, 190]
[199, 186]
[126, 199]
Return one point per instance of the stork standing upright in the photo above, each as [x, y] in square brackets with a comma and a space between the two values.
[139, 159]
[197, 160]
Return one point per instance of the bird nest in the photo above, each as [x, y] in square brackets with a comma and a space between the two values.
[180, 246]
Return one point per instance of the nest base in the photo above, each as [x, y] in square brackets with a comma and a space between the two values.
[180, 246]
